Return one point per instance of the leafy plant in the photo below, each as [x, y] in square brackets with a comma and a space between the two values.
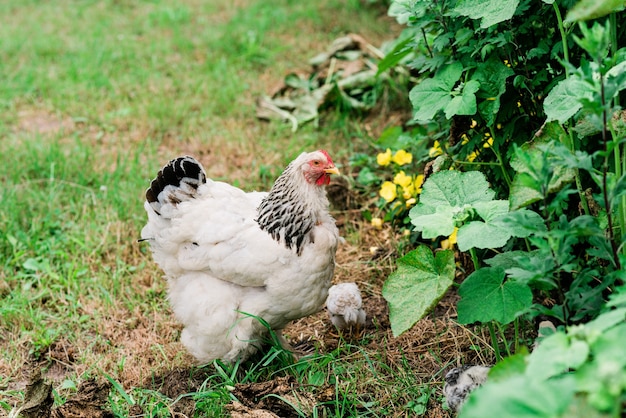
[550, 105]
[574, 373]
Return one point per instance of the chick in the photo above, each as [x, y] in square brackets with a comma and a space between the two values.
[344, 306]
[460, 381]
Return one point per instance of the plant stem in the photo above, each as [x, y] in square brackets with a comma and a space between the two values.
[506, 343]
[494, 341]
[563, 35]
[516, 329]
[474, 258]
[620, 162]
[605, 171]
[500, 161]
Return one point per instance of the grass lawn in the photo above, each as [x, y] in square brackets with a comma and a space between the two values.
[95, 97]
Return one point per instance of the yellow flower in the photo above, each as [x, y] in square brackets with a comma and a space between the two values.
[419, 180]
[435, 150]
[410, 202]
[388, 191]
[408, 191]
[472, 156]
[401, 157]
[402, 180]
[488, 143]
[447, 244]
[465, 139]
[473, 124]
[384, 158]
[377, 223]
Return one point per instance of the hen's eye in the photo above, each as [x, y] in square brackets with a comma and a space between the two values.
[316, 163]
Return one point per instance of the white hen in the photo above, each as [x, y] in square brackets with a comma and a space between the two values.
[344, 306]
[228, 254]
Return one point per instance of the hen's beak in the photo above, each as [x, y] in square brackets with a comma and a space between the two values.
[331, 170]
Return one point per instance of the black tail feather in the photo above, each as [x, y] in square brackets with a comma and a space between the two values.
[185, 174]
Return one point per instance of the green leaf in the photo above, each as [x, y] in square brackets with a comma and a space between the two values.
[593, 9]
[506, 259]
[509, 366]
[485, 296]
[446, 197]
[555, 355]
[492, 76]
[433, 225]
[522, 195]
[478, 234]
[565, 99]
[602, 378]
[517, 398]
[538, 163]
[417, 285]
[434, 94]
[399, 52]
[522, 223]
[492, 209]
[465, 103]
[367, 177]
[489, 11]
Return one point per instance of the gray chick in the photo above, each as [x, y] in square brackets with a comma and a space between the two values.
[460, 381]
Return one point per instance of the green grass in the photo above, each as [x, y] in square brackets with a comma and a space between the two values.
[95, 96]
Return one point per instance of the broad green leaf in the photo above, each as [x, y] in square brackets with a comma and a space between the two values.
[491, 210]
[433, 225]
[522, 195]
[593, 9]
[487, 234]
[456, 189]
[434, 94]
[564, 100]
[555, 355]
[417, 285]
[485, 296]
[445, 200]
[498, 226]
[478, 234]
[465, 103]
[489, 11]
[518, 398]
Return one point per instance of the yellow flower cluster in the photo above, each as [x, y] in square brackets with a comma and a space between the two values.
[400, 157]
[404, 185]
[404, 188]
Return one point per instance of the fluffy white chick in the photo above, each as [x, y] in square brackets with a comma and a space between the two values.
[344, 306]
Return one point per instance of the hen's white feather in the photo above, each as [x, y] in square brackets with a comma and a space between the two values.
[344, 305]
[222, 267]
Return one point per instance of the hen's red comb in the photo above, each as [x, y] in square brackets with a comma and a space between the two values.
[330, 160]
